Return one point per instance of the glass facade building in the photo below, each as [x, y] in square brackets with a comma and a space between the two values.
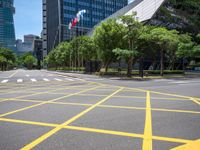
[7, 31]
[58, 14]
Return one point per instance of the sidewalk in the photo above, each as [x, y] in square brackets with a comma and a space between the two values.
[136, 78]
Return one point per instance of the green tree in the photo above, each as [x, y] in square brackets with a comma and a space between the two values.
[30, 61]
[82, 49]
[130, 39]
[107, 37]
[164, 40]
[8, 58]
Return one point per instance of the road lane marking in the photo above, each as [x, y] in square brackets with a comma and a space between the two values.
[195, 101]
[19, 80]
[57, 79]
[111, 132]
[55, 130]
[4, 81]
[27, 75]
[33, 80]
[12, 75]
[46, 102]
[105, 106]
[194, 145]
[147, 141]
[45, 79]
[69, 79]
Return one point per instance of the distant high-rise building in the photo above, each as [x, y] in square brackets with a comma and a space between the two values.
[7, 30]
[27, 45]
[57, 14]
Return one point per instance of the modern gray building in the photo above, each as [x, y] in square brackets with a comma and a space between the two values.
[144, 9]
[57, 14]
[7, 31]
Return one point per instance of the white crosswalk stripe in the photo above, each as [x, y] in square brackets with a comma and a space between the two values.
[69, 79]
[4, 81]
[45, 79]
[19, 80]
[180, 82]
[78, 79]
[58, 79]
[33, 80]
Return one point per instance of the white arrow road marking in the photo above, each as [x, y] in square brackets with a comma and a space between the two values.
[58, 79]
[45, 79]
[4, 81]
[33, 80]
[19, 80]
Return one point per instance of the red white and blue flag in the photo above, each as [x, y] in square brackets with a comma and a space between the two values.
[74, 21]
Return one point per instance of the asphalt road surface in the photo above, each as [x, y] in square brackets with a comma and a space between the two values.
[66, 111]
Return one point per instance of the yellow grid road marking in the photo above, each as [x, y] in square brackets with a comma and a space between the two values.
[49, 91]
[195, 101]
[45, 102]
[147, 141]
[194, 145]
[111, 132]
[107, 106]
[50, 133]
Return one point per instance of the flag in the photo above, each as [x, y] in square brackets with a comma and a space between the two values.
[74, 22]
[80, 14]
[70, 26]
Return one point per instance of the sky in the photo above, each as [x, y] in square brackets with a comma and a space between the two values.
[28, 17]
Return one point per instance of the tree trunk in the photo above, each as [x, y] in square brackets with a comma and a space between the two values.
[130, 67]
[106, 67]
[161, 62]
[141, 68]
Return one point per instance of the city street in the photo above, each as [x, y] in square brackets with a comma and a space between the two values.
[67, 111]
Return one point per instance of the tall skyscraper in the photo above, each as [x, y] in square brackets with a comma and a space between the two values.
[57, 15]
[7, 30]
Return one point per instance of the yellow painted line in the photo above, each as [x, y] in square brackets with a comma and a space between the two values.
[3, 100]
[167, 139]
[194, 145]
[174, 95]
[122, 107]
[161, 93]
[50, 133]
[107, 106]
[105, 131]
[195, 101]
[119, 133]
[13, 74]
[46, 102]
[28, 122]
[147, 141]
[36, 93]
[174, 110]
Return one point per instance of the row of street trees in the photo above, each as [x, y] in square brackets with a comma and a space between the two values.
[7, 59]
[27, 60]
[126, 39]
[72, 54]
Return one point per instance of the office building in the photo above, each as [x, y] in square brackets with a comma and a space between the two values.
[27, 45]
[37, 51]
[7, 31]
[58, 14]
